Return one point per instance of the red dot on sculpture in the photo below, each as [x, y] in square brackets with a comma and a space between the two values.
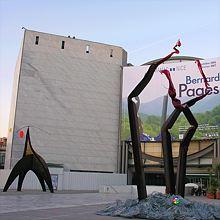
[21, 134]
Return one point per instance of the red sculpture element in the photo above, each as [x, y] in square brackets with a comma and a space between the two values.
[202, 73]
[178, 44]
[21, 134]
[172, 91]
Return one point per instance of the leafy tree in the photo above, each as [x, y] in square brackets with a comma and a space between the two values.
[152, 126]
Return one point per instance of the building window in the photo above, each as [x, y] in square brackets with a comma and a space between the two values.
[111, 53]
[63, 43]
[37, 40]
[87, 48]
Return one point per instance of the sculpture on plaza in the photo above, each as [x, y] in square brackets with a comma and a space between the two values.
[184, 144]
[30, 161]
[133, 105]
[158, 205]
[134, 123]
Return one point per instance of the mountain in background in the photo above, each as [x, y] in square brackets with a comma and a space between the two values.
[154, 107]
[209, 125]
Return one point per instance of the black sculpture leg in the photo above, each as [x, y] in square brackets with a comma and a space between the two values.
[181, 168]
[49, 184]
[20, 180]
[41, 170]
[41, 179]
[47, 178]
[42, 183]
[167, 151]
[20, 165]
[135, 133]
[11, 178]
[138, 163]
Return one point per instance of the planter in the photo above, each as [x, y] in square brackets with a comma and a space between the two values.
[210, 195]
[217, 195]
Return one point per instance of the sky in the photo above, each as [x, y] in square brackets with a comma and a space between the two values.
[146, 29]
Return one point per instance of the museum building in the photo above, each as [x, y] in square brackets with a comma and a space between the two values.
[69, 92]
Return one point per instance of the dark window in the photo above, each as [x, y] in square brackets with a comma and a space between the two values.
[37, 40]
[111, 53]
[87, 48]
[63, 43]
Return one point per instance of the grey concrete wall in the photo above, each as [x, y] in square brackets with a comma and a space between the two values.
[68, 180]
[72, 95]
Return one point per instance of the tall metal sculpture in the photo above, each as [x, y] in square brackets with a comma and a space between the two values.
[30, 161]
[134, 123]
[184, 144]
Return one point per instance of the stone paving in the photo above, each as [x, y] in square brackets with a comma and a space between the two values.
[20, 201]
[63, 205]
[72, 213]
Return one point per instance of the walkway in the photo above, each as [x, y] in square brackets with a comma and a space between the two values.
[64, 205]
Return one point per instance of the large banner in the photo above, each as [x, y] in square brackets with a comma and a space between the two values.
[189, 84]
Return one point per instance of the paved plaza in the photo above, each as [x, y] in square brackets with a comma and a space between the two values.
[65, 205]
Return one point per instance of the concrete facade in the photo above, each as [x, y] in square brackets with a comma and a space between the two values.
[62, 180]
[72, 99]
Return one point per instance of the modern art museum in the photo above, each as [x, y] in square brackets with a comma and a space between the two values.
[72, 94]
